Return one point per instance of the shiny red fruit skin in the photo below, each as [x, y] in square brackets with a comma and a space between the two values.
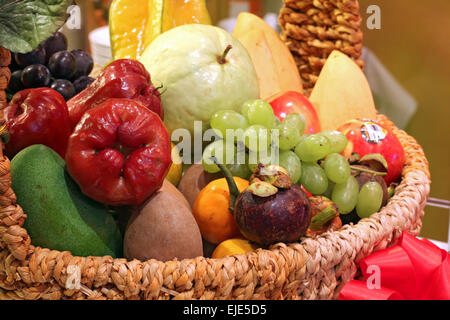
[294, 102]
[390, 147]
[119, 153]
[37, 116]
[122, 78]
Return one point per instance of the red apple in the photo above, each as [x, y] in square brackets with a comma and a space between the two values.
[294, 102]
[368, 137]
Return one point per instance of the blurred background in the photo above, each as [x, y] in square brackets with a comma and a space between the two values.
[412, 45]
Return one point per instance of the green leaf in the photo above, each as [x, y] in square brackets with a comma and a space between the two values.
[24, 24]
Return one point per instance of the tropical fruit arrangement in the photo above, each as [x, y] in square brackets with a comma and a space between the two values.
[192, 141]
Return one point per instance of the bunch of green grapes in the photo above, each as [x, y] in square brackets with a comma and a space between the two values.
[313, 161]
[250, 138]
[326, 172]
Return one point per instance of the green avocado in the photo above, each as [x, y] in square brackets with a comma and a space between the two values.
[59, 216]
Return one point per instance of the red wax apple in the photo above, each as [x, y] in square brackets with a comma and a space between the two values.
[37, 116]
[368, 137]
[294, 102]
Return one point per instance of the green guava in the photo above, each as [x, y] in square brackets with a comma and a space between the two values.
[197, 82]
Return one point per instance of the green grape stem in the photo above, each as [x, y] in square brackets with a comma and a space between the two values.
[375, 173]
[322, 218]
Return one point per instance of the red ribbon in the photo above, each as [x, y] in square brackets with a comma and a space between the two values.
[413, 269]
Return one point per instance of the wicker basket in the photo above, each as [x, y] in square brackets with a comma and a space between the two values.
[316, 268]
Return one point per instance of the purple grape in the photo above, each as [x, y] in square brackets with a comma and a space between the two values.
[54, 44]
[85, 63]
[82, 83]
[36, 76]
[15, 83]
[64, 87]
[37, 56]
[13, 66]
[63, 65]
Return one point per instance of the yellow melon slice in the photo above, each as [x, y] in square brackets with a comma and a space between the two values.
[342, 93]
[280, 73]
[256, 44]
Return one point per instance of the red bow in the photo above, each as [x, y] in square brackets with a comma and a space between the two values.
[413, 269]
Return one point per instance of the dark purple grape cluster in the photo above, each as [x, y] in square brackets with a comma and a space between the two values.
[52, 65]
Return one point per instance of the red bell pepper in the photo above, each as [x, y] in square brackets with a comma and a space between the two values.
[37, 116]
[119, 153]
[121, 79]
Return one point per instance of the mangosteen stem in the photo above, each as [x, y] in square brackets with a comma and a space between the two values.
[375, 173]
[323, 217]
[222, 59]
[234, 190]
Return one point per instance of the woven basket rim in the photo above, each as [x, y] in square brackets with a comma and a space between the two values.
[20, 248]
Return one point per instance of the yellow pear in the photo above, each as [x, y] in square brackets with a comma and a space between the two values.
[342, 93]
[274, 63]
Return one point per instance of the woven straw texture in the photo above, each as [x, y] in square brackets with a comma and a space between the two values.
[312, 29]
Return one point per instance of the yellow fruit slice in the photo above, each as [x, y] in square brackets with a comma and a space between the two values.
[281, 70]
[127, 27]
[180, 12]
[154, 21]
[134, 24]
[259, 49]
[342, 93]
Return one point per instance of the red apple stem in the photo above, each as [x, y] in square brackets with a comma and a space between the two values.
[234, 191]
[222, 59]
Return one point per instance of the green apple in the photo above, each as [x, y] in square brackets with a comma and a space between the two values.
[203, 69]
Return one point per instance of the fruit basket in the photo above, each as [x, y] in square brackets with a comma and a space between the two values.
[315, 268]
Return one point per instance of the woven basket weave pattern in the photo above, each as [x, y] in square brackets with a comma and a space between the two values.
[312, 29]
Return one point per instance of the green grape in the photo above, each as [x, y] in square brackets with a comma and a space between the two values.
[240, 170]
[296, 120]
[345, 195]
[313, 178]
[313, 148]
[329, 191]
[289, 136]
[221, 150]
[303, 137]
[258, 112]
[338, 140]
[227, 120]
[291, 162]
[257, 138]
[276, 122]
[337, 168]
[370, 199]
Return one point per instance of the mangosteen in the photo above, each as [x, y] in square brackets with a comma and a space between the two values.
[272, 209]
